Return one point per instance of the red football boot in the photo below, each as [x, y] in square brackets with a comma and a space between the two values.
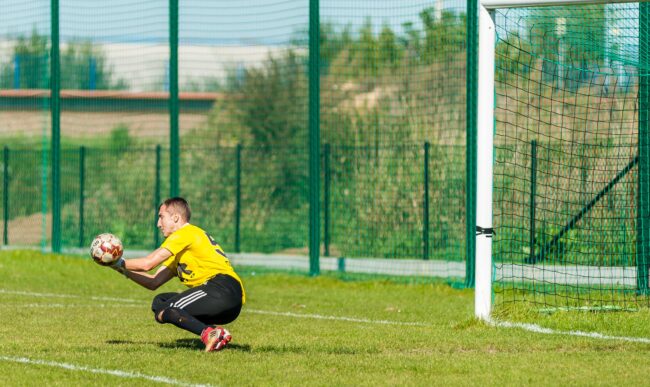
[215, 338]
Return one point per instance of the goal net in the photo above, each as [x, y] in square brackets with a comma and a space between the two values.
[571, 166]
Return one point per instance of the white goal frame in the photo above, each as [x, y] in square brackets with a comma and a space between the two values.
[485, 139]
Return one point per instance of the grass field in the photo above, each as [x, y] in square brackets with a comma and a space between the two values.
[65, 321]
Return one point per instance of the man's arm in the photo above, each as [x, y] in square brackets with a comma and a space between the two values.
[136, 269]
[150, 281]
[149, 262]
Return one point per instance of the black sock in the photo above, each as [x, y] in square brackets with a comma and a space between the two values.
[183, 320]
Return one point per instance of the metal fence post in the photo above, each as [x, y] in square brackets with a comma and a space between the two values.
[533, 191]
[471, 145]
[238, 198]
[16, 71]
[326, 199]
[425, 215]
[55, 110]
[156, 198]
[314, 137]
[82, 184]
[5, 197]
[92, 73]
[174, 140]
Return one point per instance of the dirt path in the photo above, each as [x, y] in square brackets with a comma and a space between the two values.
[28, 230]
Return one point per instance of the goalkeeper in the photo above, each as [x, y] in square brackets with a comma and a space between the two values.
[215, 295]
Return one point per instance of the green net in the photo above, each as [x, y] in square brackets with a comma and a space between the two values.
[570, 174]
[393, 114]
[250, 188]
[24, 40]
[392, 128]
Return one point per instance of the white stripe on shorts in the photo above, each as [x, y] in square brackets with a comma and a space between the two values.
[190, 298]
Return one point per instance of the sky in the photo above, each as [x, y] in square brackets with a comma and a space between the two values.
[204, 21]
[234, 23]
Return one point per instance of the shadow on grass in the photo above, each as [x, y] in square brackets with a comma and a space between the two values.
[197, 345]
[129, 342]
[278, 349]
[192, 344]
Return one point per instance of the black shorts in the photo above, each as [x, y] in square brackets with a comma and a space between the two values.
[218, 301]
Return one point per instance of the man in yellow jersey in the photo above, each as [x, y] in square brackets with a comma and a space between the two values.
[215, 295]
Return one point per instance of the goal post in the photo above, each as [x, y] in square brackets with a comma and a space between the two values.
[484, 157]
[577, 131]
[643, 195]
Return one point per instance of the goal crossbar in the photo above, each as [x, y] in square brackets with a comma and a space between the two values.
[500, 4]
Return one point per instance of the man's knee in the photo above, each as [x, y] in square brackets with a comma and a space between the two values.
[157, 315]
[160, 302]
[167, 315]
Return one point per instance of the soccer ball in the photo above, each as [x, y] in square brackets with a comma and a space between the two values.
[106, 249]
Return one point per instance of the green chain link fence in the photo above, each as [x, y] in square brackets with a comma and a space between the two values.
[212, 101]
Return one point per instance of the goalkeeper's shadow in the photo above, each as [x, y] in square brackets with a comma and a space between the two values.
[192, 344]
[195, 344]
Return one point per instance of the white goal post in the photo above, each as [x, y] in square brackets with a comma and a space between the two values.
[485, 139]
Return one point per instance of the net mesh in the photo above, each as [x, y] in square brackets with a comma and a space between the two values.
[392, 86]
[568, 161]
[392, 118]
[24, 39]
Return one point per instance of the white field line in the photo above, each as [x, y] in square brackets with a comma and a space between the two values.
[118, 373]
[48, 305]
[58, 295]
[267, 312]
[539, 329]
[337, 318]
[502, 324]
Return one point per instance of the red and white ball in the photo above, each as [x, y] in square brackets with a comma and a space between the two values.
[106, 249]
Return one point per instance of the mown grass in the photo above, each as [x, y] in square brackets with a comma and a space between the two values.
[280, 340]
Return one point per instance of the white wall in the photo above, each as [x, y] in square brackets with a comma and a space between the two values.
[145, 66]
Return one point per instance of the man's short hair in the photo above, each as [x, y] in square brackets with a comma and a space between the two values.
[179, 206]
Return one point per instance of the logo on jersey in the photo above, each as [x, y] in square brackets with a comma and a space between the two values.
[183, 273]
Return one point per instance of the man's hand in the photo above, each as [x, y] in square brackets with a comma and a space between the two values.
[119, 266]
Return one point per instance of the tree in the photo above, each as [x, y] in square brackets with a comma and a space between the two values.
[368, 50]
[30, 64]
[442, 35]
[83, 66]
[513, 57]
[574, 36]
[389, 51]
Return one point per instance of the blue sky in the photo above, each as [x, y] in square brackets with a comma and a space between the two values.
[203, 21]
[227, 22]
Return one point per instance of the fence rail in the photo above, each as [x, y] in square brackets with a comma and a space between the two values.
[376, 200]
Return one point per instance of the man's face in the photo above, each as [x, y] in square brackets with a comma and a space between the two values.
[168, 222]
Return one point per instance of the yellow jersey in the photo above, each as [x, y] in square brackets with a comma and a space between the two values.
[196, 257]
